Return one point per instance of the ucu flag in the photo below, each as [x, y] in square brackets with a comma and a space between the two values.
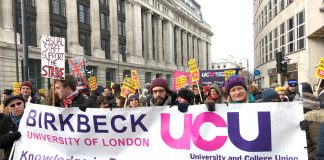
[191, 127]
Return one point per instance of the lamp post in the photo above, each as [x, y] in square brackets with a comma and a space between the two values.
[248, 70]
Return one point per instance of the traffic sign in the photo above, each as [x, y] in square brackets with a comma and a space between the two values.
[257, 72]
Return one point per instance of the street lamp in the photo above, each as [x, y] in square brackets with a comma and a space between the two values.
[247, 63]
[122, 50]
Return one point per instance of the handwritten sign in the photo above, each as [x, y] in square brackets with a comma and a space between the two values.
[16, 88]
[135, 78]
[93, 83]
[78, 71]
[127, 87]
[53, 57]
[320, 69]
[193, 70]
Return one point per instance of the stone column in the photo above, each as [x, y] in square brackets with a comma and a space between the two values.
[195, 51]
[72, 27]
[155, 38]
[203, 55]
[129, 31]
[95, 30]
[6, 30]
[209, 56]
[160, 59]
[190, 51]
[184, 50]
[200, 54]
[113, 21]
[149, 58]
[178, 45]
[43, 19]
[168, 45]
[137, 28]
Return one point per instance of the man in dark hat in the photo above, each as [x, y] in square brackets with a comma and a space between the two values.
[5, 94]
[161, 95]
[9, 125]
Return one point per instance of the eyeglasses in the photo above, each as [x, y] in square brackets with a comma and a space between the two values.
[134, 100]
[17, 104]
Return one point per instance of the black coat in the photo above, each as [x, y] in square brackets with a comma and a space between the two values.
[6, 137]
[321, 99]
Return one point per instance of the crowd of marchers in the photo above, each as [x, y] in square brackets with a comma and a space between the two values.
[158, 93]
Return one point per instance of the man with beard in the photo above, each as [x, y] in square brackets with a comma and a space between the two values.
[161, 95]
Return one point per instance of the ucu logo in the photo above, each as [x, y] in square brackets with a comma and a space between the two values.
[191, 127]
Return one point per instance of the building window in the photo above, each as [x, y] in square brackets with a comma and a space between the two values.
[275, 40]
[270, 11]
[291, 35]
[58, 7]
[289, 2]
[110, 75]
[104, 2]
[121, 28]
[282, 5]
[85, 42]
[275, 8]
[84, 14]
[127, 73]
[224, 66]
[121, 6]
[218, 66]
[168, 79]
[282, 37]
[148, 77]
[104, 22]
[105, 46]
[301, 30]
[270, 46]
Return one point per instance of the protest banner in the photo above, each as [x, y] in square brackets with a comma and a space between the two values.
[127, 87]
[258, 131]
[177, 74]
[320, 72]
[181, 82]
[135, 78]
[16, 88]
[78, 71]
[93, 83]
[208, 77]
[53, 57]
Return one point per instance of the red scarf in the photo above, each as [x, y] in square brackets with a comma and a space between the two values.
[68, 100]
[213, 98]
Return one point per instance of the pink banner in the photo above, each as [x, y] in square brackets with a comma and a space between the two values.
[178, 74]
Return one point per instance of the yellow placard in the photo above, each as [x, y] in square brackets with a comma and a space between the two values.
[93, 83]
[127, 87]
[192, 65]
[320, 69]
[16, 88]
[228, 73]
[135, 78]
[181, 81]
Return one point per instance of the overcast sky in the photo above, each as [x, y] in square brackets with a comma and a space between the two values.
[232, 25]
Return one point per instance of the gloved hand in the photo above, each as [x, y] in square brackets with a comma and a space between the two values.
[15, 135]
[183, 107]
[304, 125]
[211, 106]
[83, 108]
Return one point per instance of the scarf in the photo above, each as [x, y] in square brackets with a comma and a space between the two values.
[213, 98]
[15, 120]
[68, 100]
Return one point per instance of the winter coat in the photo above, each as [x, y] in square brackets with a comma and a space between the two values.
[221, 98]
[314, 118]
[77, 101]
[321, 98]
[320, 143]
[290, 95]
[6, 136]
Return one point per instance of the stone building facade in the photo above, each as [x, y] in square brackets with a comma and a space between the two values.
[295, 27]
[155, 37]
